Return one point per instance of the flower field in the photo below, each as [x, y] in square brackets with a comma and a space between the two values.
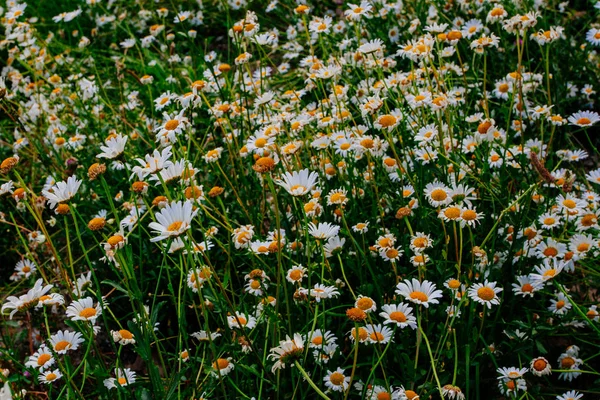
[228, 199]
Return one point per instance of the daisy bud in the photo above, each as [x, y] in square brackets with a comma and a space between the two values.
[62, 209]
[97, 223]
[160, 201]
[356, 314]
[96, 170]
[264, 164]
[139, 187]
[224, 67]
[8, 164]
[19, 194]
[215, 191]
[403, 212]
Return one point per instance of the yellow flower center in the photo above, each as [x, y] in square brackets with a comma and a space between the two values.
[527, 288]
[486, 293]
[539, 365]
[88, 312]
[364, 303]
[62, 345]
[549, 221]
[175, 226]
[51, 376]
[469, 215]
[452, 212]
[567, 362]
[550, 252]
[398, 316]
[336, 378]
[583, 121]
[583, 247]
[439, 195]
[420, 242]
[417, 295]
[454, 284]
[387, 120]
[172, 125]
[125, 334]
[43, 359]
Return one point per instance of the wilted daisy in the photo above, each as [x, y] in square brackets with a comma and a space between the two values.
[423, 293]
[540, 366]
[62, 192]
[287, 352]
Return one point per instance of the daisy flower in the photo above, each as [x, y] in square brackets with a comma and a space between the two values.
[569, 361]
[570, 395]
[417, 292]
[561, 305]
[336, 380]
[324, 230]
[240, 320]
[438, 194]
[399, 314]
[173, 220]
[25, 268]
[298, 183]
[486, 293]
[356, 12]
[420, 242]
[222, 366]
[123, 378]
[49, 376]
[318, 338]
[526, 286]
[511, 372]
[123, 336]
[41, 359]
[548, 271]
[84, 310]
[539, 366]
[366, 304]
[296, 274]
[62, 341]
[584, 118]
[379, 334]
[320, 291]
